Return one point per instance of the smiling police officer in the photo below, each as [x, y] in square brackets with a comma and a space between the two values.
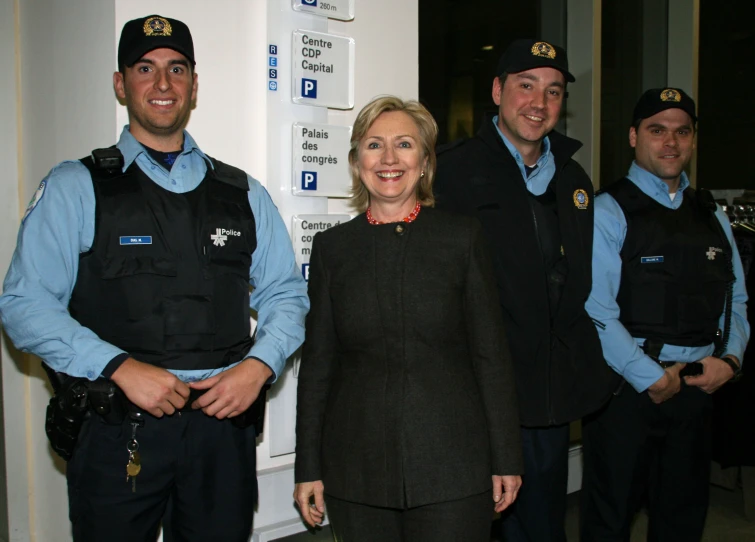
[666, 277]
[134, 267]
[519, 178]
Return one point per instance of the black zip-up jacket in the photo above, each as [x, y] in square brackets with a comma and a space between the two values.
[560, 372]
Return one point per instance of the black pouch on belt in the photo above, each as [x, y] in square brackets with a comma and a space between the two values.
[254, 415]
[65, 412]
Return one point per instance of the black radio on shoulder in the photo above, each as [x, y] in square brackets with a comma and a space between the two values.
[109, 158]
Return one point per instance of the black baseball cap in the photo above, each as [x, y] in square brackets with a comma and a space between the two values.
[655, 100]
[143, 35]
[527, 54]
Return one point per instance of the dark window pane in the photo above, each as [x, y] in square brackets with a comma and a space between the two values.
[455, 71]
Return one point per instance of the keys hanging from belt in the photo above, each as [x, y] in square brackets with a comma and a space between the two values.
[134, 465]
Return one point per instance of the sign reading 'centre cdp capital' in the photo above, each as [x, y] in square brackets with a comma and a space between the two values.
[323, 69]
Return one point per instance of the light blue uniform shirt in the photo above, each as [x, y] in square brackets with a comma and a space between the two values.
[60, 226]
[622, 351]
[538, 181]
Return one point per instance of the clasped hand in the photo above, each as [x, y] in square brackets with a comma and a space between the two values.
[160, 392]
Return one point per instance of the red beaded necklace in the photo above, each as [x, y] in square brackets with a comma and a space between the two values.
[411, 218]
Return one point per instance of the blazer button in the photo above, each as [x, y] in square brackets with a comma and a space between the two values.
[400, 229]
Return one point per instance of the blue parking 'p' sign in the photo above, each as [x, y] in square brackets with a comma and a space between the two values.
[309, 180]
[309, 88]
[305, 271]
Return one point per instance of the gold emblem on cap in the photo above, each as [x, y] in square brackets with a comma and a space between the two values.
[581, 199]
[543, 49]
[157, 26]
[671, 95]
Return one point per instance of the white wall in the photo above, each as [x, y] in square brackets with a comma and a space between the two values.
[9, 214]
[65, 107]
[51, 109]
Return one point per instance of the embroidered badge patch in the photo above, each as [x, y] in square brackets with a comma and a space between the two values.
[581, 199]
[36, 198]
[671, 95]
[157, 26]
[543, 49]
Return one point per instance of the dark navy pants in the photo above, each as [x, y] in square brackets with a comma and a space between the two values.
[636, 451]
[539, 511]
[204, 467]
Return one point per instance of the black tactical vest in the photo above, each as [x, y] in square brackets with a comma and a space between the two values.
[675, 268]
[167, 276]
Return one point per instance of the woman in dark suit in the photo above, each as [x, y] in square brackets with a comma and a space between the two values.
[406, 419]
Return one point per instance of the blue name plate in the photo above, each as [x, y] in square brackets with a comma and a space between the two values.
[136, 240]
[651, 259]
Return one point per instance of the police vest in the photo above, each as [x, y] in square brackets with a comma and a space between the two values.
[167, 276]
[675, 268]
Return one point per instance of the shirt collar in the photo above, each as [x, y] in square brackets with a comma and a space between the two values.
[515, 153]
[655, 187]
[131, 148]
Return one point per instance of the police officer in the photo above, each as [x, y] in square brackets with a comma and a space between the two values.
[666, 277]
[139, 272]
[535, 203]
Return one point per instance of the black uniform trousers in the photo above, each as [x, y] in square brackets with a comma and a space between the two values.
[202, 467]
[462, 520]
[539, 511]
[636, 451]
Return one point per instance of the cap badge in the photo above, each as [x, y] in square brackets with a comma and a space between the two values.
[157, 26]
[671, 95]
[543, 49]
[581, 199]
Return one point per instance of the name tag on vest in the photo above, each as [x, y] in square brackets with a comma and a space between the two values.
[651, 259]
[136, 240]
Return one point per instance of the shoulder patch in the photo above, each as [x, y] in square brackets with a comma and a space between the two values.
[36, 198]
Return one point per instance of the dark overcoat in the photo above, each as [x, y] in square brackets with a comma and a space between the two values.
[406, 392]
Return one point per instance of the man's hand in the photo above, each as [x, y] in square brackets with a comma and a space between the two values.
[667, 386]
[232, 392]
[311, 512]
[505, 489]
[151, 388]
[716, 373]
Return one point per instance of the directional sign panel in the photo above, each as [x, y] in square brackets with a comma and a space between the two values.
[323, 69]
[333, 9]
[304, 229]
[321, 160]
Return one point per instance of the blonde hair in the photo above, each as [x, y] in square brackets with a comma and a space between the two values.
[428, 134]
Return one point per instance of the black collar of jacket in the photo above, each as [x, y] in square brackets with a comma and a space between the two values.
[562, 147]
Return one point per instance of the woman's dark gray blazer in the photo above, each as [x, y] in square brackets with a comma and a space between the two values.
[406, 392]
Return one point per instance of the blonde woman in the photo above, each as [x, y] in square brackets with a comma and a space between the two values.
[407, 425]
